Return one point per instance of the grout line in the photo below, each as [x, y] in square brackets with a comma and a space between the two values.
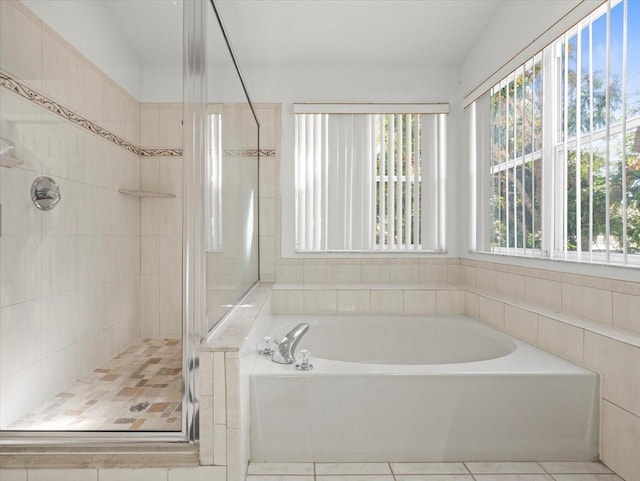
[618, 406]
[392, 473]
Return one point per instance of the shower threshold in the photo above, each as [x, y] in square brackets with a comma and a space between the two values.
[138, 390]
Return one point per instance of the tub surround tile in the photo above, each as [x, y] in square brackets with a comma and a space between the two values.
[560, 338]
[511, 285]
[513, 477]
[434, 477]
[219, 444]
[287, 301]
[450, 302]
[386, 301]
[346, 273]
[62, 474]
[543, 292]
[232, 376]
[352, 468]
[619, 365]
[429, 468]
[404, 273]
[576, 467]
[234, 469]
[289, 273]
[320, 301]
[265, 477]
[625, 287]
[521, 323]
[471, 304]
[587, 477]
[317, 274]
[13, 475]
[619, 441]
[505, 468]
[359, 477]
[587, 302]
[206, 430]
[487, 279]
[375, 273]
[625, 311]
[200, 473]
[419, 301]
[219, 389]
[281, 468]
[141, 474]
[356, 301]
[491, 312]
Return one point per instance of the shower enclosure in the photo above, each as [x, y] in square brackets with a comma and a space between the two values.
[115, 259]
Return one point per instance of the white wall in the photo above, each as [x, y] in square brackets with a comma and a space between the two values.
[515, 24]
[331, 83]
[90, 28]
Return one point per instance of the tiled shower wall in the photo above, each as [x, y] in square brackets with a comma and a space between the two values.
[232, 267]
[71, 277]
[161, 222]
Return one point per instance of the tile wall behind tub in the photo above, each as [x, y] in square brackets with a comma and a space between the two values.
[161, 222]
[233, 269]
[69, 293]
[352, 276]
[590, 320]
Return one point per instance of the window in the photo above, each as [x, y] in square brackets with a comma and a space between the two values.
[213, 206]
[516, 158]
[561, 153]
[369, 178]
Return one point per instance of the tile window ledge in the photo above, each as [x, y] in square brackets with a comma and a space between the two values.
[616, 333]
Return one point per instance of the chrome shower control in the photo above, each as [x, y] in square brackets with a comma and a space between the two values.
[45, 193]
[265, 348]
[303, 361]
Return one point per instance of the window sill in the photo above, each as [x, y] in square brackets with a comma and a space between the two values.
[613, 271]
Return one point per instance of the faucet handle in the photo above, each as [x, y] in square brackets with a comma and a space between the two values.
[265, 348]
[303, 360]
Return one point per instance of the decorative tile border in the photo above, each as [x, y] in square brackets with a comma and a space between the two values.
[22, 90]
[249, 152]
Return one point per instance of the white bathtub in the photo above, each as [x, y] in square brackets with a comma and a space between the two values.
[429, 388]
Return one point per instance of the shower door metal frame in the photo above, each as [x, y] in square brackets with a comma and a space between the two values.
[193, 268]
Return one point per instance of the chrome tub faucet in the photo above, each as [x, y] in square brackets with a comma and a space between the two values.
[286, 349]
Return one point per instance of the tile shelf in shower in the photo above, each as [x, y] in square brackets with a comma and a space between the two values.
[147, 193]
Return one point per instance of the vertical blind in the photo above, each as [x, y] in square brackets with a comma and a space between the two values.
[369, 181]
[564, 162]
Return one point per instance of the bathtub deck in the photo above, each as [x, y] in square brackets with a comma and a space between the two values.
[139, 389]
[467, 471]
[524, 406]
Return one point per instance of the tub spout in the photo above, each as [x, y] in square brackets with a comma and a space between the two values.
[286, 348]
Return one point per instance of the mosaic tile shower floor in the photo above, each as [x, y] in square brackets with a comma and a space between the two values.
[139, 390]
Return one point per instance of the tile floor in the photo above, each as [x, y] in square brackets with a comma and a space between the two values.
[509, 471]
[139, 389]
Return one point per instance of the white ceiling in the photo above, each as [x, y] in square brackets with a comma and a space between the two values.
[153, 29]
[313, 31]
[346, 31]
[139, 42]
